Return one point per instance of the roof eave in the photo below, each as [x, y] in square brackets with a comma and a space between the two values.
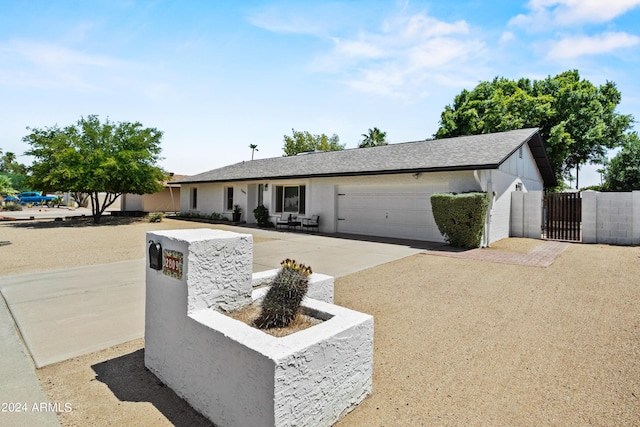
[355, 173]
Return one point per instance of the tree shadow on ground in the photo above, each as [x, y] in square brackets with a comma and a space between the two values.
[75, 221]
[129, 380]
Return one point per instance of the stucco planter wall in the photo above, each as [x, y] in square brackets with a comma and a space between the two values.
[237, 375]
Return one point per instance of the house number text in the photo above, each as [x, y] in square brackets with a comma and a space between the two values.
[172, 264]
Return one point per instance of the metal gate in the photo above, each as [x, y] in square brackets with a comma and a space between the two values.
[563, 216]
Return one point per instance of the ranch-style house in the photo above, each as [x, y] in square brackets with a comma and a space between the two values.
[379, 191]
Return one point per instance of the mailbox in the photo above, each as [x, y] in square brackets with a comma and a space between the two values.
[155, 255]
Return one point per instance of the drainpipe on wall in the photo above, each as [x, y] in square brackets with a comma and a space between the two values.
[489, 210]
[489, 189]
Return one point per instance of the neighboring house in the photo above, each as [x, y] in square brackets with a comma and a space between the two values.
[167, 200]
[380, 191]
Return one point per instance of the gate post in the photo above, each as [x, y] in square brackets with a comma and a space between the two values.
[589, 217]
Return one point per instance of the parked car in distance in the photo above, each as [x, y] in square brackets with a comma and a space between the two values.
[36, 198]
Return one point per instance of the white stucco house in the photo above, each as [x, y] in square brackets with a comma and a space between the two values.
[379, 191]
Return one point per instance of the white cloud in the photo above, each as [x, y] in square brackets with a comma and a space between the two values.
[573, 47]
[300, 17]
[56, 56]
[507, 36]
[48, 65]
[402, 55]
[563, 13]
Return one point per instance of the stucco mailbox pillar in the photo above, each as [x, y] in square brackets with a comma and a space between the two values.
[232, 373]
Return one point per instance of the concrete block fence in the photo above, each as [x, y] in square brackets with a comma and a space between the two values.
[612, 218]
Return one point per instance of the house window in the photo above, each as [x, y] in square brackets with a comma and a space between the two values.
[229, 199]
[194, 198]
[290, 198]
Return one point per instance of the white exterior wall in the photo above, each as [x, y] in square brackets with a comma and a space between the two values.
[526, 214]
[514, 171]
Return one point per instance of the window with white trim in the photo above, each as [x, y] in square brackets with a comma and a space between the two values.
[290, 199]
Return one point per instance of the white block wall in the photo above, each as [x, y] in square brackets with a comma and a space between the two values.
[612, 218]
[237, 375]
[526, 214]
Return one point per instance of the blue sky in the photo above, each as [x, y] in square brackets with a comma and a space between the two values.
[216, 76]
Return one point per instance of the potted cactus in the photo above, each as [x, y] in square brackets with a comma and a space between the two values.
[282, 302]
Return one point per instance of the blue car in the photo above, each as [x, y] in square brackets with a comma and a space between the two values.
[10, 199]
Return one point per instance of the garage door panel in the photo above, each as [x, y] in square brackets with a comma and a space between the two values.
[389, 211]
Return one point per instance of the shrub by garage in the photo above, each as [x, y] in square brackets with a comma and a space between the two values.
[461, 217]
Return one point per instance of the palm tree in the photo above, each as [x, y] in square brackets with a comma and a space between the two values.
[254, 148]
[6, 187]
[373, 138]
[6, 161]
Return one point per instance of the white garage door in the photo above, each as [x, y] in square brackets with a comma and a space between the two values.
[389, 211]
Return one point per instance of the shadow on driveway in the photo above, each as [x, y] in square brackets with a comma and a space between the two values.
[130, 381]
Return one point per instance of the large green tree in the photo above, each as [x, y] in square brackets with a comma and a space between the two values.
[305, 141]
[373, 138]
[577, 120]
[93, 157]
[623, 171]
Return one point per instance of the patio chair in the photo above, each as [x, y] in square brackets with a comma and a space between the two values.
[283, 220]
[312, 222]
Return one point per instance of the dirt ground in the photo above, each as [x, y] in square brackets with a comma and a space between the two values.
[457, 341]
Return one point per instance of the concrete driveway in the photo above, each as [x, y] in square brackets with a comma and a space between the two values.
[70, 312]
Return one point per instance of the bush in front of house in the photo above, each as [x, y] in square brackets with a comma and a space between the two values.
[261, 213]
[282, 301]
[156, 217]
[461, 217]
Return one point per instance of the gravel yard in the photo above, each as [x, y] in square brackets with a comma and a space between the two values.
[457, 341]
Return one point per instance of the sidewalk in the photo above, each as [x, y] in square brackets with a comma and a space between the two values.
[27, 405]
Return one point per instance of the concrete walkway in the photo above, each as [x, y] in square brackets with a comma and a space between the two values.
[20, 390]
[542, 256]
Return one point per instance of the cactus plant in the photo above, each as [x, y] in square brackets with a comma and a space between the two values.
[282, 302]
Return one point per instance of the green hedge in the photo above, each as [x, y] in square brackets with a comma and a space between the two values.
[461, 217]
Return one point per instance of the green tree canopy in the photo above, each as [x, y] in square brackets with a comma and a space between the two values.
[373, 138]
[623, 171]
[94, 158]
[305, 141]
[577, 120]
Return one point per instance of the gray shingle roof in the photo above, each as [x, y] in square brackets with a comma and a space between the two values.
[485, 151]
